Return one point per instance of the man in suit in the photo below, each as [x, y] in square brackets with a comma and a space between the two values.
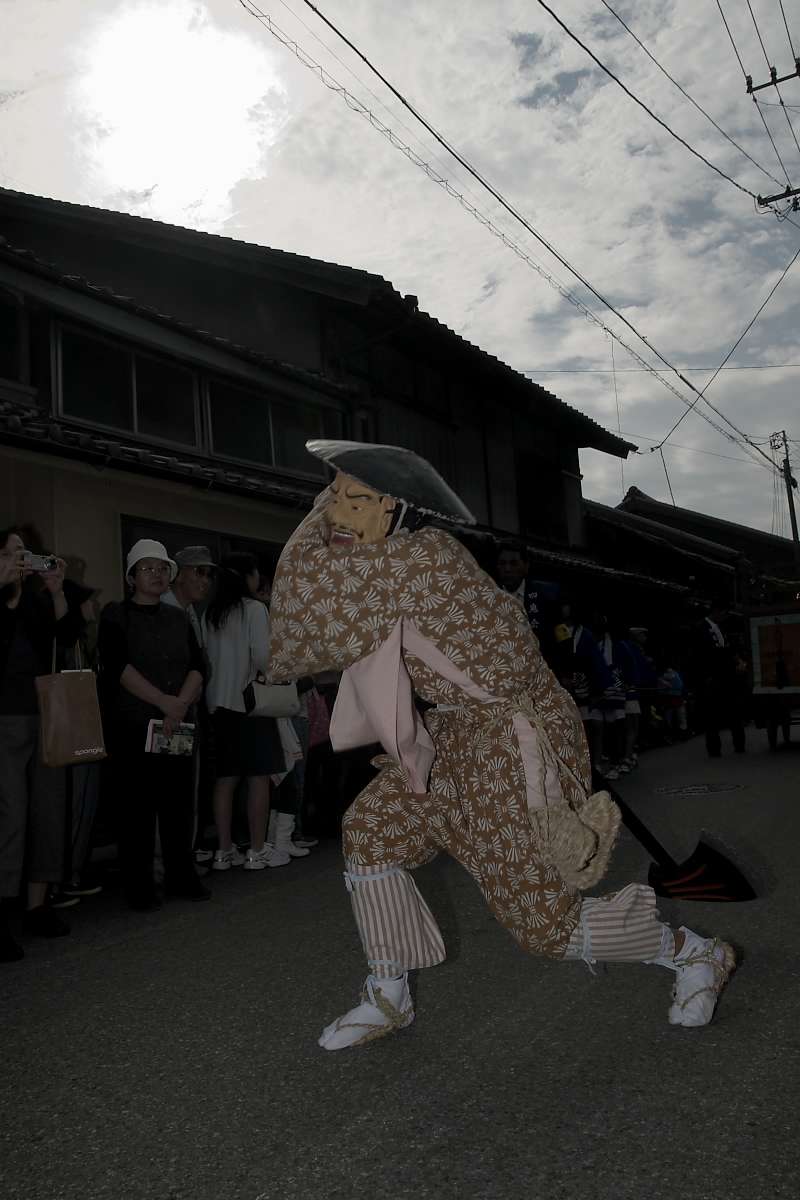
[538, 597]
[716, 674]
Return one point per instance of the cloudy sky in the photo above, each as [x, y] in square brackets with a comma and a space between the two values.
[191, 112]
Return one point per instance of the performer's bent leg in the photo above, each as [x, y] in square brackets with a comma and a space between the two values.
[397, 929]
[624, 927]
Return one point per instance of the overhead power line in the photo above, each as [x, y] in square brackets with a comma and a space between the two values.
[758, 32]
[683, 91]
[786, 26]
[730, 35]
[357, 106]
[638, 370]
[748, 83]
[641, 103]
[701, 395]
[643, 437]
[361, 109]
[774, 80]
[382, 103]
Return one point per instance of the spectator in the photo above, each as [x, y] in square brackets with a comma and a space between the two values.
[32, 796]
[674, 702]
[589, 679]
[612, 702]
[716, 673]
[538, 597]
[153, 667]
[285, 817]
[83, 782]
[264, 590]
[196, 574]
[287, 797]
[237, 638]
[638, 678]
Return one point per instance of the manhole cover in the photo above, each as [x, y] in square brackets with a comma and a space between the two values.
[699, 789]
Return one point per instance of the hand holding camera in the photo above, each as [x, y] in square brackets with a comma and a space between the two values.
[51, 570]
[39, 562]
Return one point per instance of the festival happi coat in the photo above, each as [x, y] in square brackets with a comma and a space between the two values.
[333, 606]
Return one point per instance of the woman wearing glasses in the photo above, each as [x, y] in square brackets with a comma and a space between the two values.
[152, 666]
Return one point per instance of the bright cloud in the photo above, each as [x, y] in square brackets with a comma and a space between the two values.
[192, 113]
[172, 112]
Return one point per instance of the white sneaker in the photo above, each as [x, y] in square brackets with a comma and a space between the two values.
[625, 766]
[613, 773]
[282, 841]
[291, 849]
[225, 859]
[268, 857]
[704, 967]
[386, 1006]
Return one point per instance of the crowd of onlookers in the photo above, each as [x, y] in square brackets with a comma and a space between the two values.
[175, 659]
[628, 695]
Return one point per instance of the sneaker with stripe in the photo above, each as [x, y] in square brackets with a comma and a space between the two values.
[225, 859]
[268, 857]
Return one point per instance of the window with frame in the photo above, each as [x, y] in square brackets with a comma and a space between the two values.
[239, 423]
[11, 313]
[110, 385]
[116, 387]
[252, 427]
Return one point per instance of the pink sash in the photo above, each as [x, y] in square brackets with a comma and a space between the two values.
[376, 704]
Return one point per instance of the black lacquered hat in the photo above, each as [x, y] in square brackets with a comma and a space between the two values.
[396, 472]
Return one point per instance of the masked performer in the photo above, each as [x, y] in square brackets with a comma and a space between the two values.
[496, 772]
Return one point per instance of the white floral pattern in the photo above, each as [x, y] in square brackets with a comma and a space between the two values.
[332, 606]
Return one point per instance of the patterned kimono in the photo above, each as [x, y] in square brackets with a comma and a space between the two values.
[332, 606]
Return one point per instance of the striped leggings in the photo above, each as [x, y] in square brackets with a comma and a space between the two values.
[399, 932]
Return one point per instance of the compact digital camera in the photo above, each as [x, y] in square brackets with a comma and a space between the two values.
[40, 562]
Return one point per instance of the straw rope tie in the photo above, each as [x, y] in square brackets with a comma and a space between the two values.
[395, 1019]
[722, 970]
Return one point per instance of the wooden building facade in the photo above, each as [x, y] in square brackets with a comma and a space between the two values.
[158, 380]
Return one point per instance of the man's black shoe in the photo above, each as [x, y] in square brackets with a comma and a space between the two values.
[188, 891]
[142, 901]
[43, 922]
[10, 951]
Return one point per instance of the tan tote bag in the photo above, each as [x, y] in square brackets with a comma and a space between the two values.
[71, 729]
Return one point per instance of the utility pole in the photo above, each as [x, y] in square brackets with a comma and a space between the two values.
[791, 483]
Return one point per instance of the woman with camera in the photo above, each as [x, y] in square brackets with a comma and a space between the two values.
[152, 670]
[32, 796]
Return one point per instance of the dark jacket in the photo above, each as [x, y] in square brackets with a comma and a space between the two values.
[158, 641]
[710, 667]
[36, 618]
[539, 602]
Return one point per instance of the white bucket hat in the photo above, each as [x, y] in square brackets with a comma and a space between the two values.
[146, 548]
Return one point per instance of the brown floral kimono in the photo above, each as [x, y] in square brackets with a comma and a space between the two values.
[332, 606]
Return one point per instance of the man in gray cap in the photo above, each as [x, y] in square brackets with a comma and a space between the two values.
[191, 585]
[196, 573]
[496, 773]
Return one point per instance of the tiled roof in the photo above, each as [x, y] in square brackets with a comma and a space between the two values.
[325, 275]
[634, 497]
[676, 540]
[28, 261]
[28, 427]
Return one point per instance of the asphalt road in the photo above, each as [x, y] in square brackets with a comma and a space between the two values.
[173, 1056]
